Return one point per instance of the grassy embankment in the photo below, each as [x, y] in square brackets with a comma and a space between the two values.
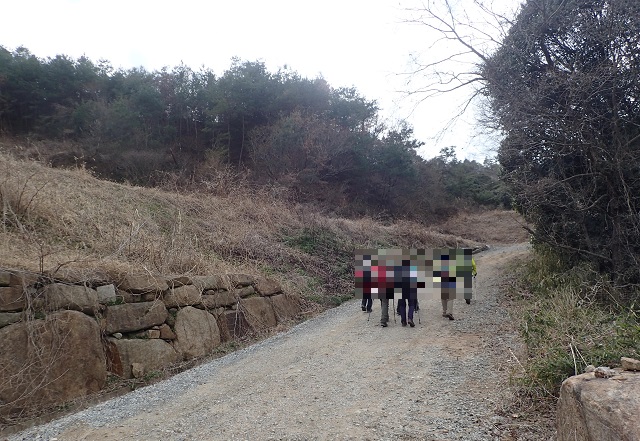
[67, 223]
[569, 318]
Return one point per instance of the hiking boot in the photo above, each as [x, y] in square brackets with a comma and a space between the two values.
[369, 310]
[383, 324]
[411, 323]
[404, 323]
[449, 316]
[364, 308]
[468, 301]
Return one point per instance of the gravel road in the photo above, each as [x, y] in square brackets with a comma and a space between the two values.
[334, 377]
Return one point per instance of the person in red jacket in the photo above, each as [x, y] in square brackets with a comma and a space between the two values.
[385, 292]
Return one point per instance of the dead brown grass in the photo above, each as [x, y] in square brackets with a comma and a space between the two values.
[493, 226]
[69, 224]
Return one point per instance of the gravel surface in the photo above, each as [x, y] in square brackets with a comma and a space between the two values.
[334, 377]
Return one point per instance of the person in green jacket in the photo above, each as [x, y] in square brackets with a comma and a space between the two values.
[449, 279]
[474, 273]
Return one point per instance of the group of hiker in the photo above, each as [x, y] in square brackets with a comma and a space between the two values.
[387, 278]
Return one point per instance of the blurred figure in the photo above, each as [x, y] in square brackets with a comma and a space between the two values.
[474, 273]
[408, 276]
[385, 290]
[444, 271]
[367, 283]
[367, 302]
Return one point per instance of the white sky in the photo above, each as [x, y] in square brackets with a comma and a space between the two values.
[361, 43]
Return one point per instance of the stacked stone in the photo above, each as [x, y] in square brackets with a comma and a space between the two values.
[130, 327]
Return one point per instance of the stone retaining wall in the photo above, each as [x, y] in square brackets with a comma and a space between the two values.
[58, 340]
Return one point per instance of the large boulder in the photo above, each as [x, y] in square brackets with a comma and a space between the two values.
[107, 294]
[20, 278]
[235, 323]
[46, 362]
[8, 318]
[217, 299]
[630, 364]
[222, 324]
[142, 283]
[204, 283]
[5, 278]
[12, 298]
[134, 316]
[285, 306]
[246, 291]
[239, 280]
[599, 409]
[177, 281]
[267, 287]
[153, 355]
[79, 298]
[196, 331]
[258, 312]
[166, 333]
[187, 295]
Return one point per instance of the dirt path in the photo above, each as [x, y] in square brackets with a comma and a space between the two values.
[337, 376]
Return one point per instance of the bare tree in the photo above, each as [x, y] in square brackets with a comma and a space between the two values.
[459, 37]
[462, 37]
[562, 86]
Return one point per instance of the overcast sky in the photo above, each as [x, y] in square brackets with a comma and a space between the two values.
[361, 43]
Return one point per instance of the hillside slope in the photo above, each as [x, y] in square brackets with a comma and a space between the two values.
[67, 223]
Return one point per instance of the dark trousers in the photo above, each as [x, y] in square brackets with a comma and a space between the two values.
[417, 307]
[384, 310]
[402, 309]
[367, 301]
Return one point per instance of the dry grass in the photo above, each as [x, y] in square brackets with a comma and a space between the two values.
[564, 325]
[68, 223]
[493, 226]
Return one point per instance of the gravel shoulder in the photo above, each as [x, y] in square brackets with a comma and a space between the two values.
[335, 377]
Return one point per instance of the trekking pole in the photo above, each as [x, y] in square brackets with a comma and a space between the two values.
[394, 311]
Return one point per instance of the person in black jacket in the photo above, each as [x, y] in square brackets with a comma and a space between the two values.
[366, 283]
[407, 277]
[367, 302]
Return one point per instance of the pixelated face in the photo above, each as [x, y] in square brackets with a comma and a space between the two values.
[413, 273]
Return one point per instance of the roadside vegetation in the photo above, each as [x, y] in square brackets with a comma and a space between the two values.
[560, 84]
[570, 317]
